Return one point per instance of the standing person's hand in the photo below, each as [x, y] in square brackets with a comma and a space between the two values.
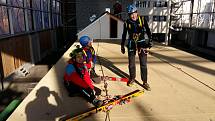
[122, 49]
[150, 44]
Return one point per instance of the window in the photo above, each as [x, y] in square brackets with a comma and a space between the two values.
[45, 5]
[146, 18]
[53, 6]
[46, 20]
[29, 5]
[3, 1]
[162, 18]
[203, 20]
[159, 18]
[54, 20]
[38, 20]
[186, 7]
[18, 3]
[155, 18]
[57, 7]
[59, 21]
[30, 20]
[18, 20]
[213, 21]
[194, 20]
[185, 20]
[206, 5]
[4, 24]
[203, 6]
[137, 3]
[144, 4]
[40, 14]
[36, 4]
[160, 4]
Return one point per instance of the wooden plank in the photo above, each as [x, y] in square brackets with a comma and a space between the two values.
[14, 53]
[7, 58]
[22, 54]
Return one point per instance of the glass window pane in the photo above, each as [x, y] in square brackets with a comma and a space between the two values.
[186, 20]
[3, 1]
[162, 18]
[194, 20]
[195, 6]
[206, 6]
[137, 3]
[28, 3]
[148, 4]
[53, 6]
[186, 7]
[146, 18]
[60, 6]
[163, 4]
[30, 20]
[156, 4]
[38, 20]
[155, 18]
[160, 4]
[18, 20]
[59, 21]
[45, 5]
[213, 21]
[46, 20]
[36, 4]
[54, 20]
[203, 20]
[57, 7]
[4, 24]
[17, 3]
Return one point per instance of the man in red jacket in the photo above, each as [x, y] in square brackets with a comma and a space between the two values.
[77, 78]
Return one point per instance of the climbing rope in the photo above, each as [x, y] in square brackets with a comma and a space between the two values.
[105, 83]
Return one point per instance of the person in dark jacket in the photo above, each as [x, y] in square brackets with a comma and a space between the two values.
[77, 78]
[138, 41]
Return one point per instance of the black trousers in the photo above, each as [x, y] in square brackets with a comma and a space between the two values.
[88, 93]
[132, 65]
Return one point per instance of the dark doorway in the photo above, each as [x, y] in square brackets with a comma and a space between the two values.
[113, 28]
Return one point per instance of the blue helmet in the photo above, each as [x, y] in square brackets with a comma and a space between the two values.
[84, 40]
[131, 8]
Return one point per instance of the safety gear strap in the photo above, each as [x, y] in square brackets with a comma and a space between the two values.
[141, 25]
[141, 22]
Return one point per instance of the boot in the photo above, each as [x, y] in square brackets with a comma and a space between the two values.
[130, 82]
[146, 86]
[96, 102]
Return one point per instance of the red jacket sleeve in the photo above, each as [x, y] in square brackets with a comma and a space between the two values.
[72, 76]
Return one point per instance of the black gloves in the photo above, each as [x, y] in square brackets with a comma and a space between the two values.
[122, 49]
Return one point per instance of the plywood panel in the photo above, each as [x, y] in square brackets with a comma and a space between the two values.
[7, 58]
[14, 53]
[22, 48]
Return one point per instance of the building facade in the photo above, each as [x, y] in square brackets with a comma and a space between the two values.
[157, 12]
[193, 23]
[29, 30]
